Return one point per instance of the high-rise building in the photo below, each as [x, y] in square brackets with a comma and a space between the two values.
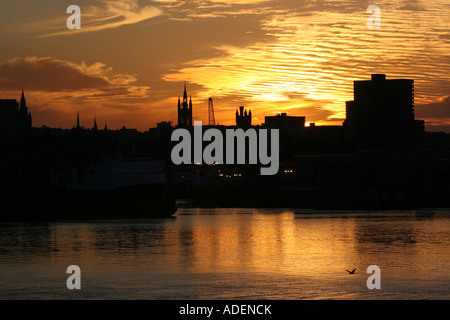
[382, 114]
[185, 111]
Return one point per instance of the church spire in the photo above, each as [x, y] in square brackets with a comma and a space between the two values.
[24, 118]
[78, 119]
[185, 110]
[23, 103]
[95, 123]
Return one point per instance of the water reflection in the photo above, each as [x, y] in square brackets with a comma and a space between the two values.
[222, 247]
[22, 239]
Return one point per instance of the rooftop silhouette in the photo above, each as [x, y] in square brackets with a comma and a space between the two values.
[380, 157]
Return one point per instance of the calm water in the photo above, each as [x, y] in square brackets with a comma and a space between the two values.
[231, 254]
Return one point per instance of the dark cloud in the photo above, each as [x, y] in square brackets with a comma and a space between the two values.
[436, 115]
[76, 82]
[47, 74]
[438, 127]
[434, 110]
[56, 89]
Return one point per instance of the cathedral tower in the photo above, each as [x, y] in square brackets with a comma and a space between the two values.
[185, 110]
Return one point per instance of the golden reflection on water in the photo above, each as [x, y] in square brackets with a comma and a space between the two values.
[268, 243]
[230, 248]
[253, 242]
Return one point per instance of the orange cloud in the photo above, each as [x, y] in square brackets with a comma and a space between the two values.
[108, 14]
[56, 89]
[51, 74]
[440, 109]
[313, 57]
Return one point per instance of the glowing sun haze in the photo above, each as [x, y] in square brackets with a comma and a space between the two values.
[130, 59]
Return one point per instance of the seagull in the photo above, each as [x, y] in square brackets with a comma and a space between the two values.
[351, 272]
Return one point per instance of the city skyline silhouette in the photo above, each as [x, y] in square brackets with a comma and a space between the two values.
[127, 63]
[224, 150]
[242, 119]
[379, 157]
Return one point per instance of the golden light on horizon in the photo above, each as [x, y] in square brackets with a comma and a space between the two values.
[299, 59]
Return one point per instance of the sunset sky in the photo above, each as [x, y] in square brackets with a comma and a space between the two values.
[128, 63]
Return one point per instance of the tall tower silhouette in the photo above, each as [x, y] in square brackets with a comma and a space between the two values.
[25, 120]
[243, 119]
[212, 120]
[23, 103]
[95, 128]
[78, 119]
[185, 110]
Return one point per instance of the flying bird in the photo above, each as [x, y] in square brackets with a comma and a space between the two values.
[351, 272]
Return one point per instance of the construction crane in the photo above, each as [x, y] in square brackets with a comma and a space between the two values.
[212, 121]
